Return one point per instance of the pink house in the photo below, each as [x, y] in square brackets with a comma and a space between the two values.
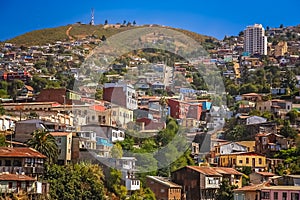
[280, 193]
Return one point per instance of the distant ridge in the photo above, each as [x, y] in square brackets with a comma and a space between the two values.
[78, 31]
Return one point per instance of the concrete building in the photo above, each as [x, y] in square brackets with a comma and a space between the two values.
[128, 169]
[121, 94]
[280, 49]
[182, 110]
[255, 40]
[64, 143]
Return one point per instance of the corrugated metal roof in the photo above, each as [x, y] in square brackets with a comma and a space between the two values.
[205, 170]
[22, 152]
[227, 170]
[266, 173]
[15, 177]
[252, 187]
[164, 181]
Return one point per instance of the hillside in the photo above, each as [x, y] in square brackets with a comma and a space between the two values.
[77, 31]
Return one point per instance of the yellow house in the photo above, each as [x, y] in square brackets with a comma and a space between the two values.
[250, 145]
[247, 159]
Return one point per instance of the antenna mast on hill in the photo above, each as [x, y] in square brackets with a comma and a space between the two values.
[92, 18]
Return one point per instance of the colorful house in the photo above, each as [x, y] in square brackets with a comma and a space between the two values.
[280, 192]
[248, 159]
[163, 188]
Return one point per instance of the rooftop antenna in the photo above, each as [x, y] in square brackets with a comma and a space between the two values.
[92, 18]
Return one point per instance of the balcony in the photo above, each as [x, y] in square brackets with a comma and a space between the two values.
[19, 170]
[28, 190]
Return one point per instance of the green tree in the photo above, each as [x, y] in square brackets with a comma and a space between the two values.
[78, 181]
[116, 151]
[238, 133]
[248, 88]
[13, 88]
[2, 110]
[291, 163]
[2, 141]
[99, 94]
[163, 103]
[143, 194]
[287, 131]
[45, 143]
[225, 191]
[3, 93]
[113, 182]
[293, 115]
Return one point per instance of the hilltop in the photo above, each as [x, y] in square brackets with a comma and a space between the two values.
[78, 31]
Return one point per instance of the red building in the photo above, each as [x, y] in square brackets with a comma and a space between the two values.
[60, 95]
[121, 94]
[18, 75]
[182, 110]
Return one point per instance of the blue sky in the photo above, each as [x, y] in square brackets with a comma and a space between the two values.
[215, 18]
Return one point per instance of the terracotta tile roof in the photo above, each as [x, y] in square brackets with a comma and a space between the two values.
[15, 177]
[205, 170]
[22, 152]
[164, 181]
[266, 173]
[60, 134]
[227, 170]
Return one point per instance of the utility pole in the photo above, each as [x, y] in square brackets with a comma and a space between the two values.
[92, 18]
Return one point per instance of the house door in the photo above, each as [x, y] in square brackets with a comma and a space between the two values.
[253, 162]
[18, 186]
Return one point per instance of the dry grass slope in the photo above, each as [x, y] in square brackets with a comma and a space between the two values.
[78, 31]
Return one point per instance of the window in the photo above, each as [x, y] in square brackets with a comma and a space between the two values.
[260, 161]
[10, 185]
[7, 163]
[241, 161]
[284, 196]
[247, 160]
[58, 140]
[162, 190]
[275, 195]
[17, 163]
[295, 196]
[265, 195]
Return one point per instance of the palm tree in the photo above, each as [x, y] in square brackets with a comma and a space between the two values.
[163, 102]
[45, 143]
